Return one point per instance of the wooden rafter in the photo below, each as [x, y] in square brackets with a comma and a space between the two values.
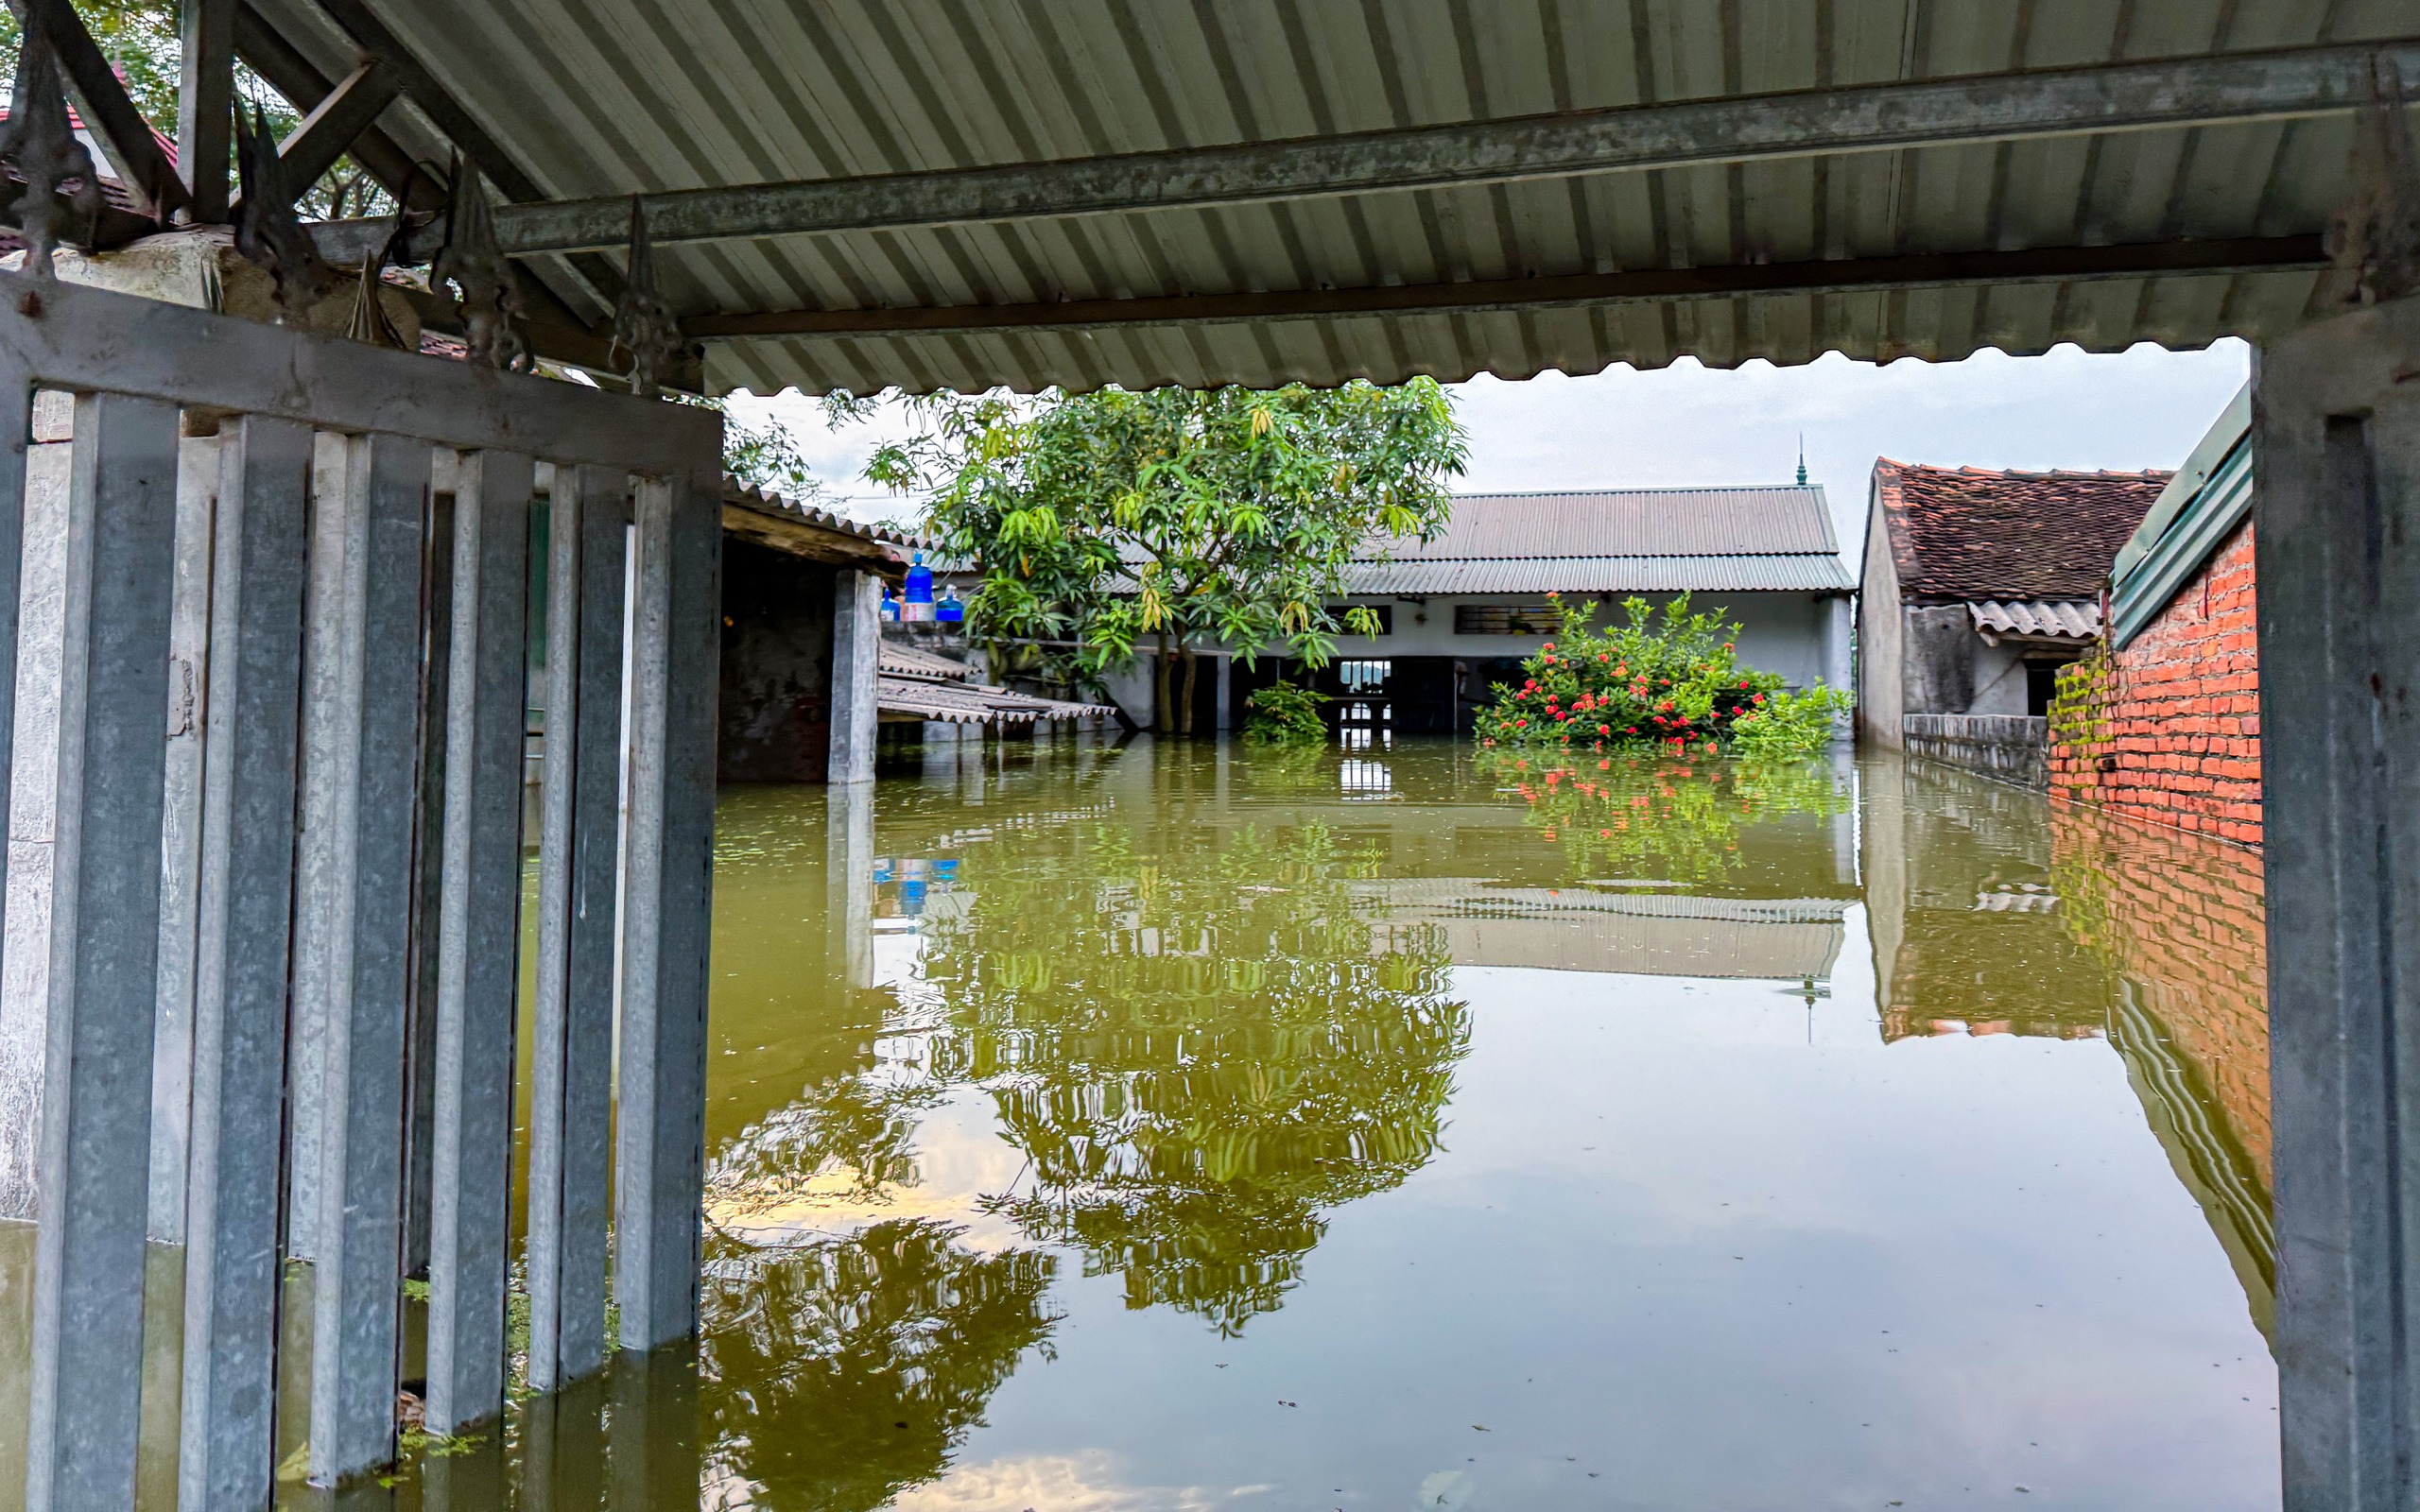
[125, 134]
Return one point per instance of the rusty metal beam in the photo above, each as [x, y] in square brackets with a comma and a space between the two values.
[335, 122]
[2058, 264]
[145, 168]
[2174, 93]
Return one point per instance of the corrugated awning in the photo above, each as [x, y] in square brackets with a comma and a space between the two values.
[974, 704]
[1809, 574]
[2073, 620]
[961, 193]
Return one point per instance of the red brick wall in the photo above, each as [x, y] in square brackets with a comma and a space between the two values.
[2169, 730]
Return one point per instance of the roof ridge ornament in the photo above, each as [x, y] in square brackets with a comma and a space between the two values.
[645, 324]
[267, 233]
[40, 147]
[475, 263]
[2376, 235]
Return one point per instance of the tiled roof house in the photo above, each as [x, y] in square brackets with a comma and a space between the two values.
[1978, 584]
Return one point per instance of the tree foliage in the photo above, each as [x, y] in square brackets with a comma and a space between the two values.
[1190, 515]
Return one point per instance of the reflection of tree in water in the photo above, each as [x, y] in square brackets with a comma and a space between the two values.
[1198, 1055]
[1676, 819]
[847, 1370]
[858, 1126]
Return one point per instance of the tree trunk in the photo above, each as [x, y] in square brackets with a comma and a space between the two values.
[1185, 704]
[1163, 711]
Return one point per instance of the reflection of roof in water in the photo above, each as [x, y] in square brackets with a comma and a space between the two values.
[1578, 929]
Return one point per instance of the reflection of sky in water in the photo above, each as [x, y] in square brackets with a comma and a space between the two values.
[1196, 1134]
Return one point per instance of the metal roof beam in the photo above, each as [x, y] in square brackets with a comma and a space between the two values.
[335, 122]
[2055, 264]
[1985, 108]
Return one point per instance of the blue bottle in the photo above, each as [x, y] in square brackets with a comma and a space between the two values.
[920, 591]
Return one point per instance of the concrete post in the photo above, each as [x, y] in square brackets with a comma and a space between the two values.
[857, 643]
[243, 918]
[478, 937]
[848, 873]
[1839, 667]
[1226, 675]
[33, 713]
[382, 482]
[2336, 429]
[181, 843]
[580, 803]
[668, 884]
[95, 1164]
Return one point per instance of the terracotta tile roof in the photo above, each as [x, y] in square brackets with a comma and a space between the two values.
[1969, 533]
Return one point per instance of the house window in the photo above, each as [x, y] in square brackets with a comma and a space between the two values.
[1503, 619]
[1363, 677]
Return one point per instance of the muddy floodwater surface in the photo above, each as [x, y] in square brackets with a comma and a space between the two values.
[1119, 1130]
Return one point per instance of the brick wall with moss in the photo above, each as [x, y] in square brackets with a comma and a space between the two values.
[2169, 728]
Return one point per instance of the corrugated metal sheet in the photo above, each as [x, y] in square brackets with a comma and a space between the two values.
[1578, 929]
[1605, 575]
[2051, 619]
[2209, 496]
[1784, 520]
[609, 96]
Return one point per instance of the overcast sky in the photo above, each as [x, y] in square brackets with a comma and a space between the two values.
[1688, 425]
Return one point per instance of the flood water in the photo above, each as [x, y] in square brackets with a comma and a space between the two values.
[1119, 1130]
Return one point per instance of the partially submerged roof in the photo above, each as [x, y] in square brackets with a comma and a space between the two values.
[2197, 514]
[964, 192]
[914, 683]
[1619, 540]
[1967, 534]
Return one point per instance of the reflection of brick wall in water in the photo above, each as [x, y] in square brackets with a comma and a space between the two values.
[2181, 916]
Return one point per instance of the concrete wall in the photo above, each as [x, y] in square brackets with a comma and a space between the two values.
[1787, 633]
[2010, 748]
[776, 708]
[1881, 632]
[2169, 728]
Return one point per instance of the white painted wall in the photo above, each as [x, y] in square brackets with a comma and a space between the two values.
[1787, 633]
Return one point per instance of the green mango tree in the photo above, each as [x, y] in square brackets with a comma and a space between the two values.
[1187, 517]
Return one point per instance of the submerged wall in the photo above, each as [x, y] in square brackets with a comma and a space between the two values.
[2008, 747]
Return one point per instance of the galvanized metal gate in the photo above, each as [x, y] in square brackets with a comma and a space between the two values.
[366, 626]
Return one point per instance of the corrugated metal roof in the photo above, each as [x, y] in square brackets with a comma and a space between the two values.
[2051, 619]
[1783, 520]
[1809, 574]
[2204, 503]
[610, 96]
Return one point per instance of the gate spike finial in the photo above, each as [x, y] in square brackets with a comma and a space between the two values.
[472, 260]
[40, 147]
[645, 324]
[267, 234]
[2376, 236]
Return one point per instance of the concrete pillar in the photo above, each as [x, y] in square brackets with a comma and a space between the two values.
[24, 964]
[2336, 428]
[180, 842]
[364, 862]
[578, 876]
[1226, 675]
[478, 939]
[856, 640]
[659, 1187]
[242, 936]
[93, 1175]
[848, 871]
